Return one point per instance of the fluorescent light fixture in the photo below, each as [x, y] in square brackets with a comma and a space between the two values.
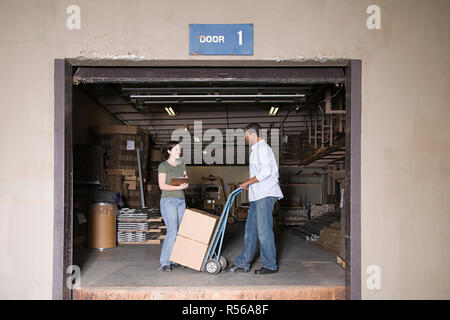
[273, 111]
[170, 111]
[196, 139]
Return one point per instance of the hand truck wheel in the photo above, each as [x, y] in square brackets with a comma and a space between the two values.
[212, 266]
[223, 262]
[231, 220]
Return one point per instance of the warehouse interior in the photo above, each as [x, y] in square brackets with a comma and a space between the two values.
[119, 129]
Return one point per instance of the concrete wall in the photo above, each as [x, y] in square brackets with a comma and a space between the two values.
[405, 116]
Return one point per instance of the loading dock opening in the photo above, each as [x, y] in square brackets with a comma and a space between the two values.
[264, 73]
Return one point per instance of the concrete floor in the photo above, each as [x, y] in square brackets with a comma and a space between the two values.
[300, 263]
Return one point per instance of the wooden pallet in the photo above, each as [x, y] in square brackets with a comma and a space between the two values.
[149, 230]
[159, 219]
[150, 241]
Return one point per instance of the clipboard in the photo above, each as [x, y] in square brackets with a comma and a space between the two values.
[178, 181]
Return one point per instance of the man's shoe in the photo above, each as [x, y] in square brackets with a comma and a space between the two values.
[178, 266]
[265, 271]
[166, 269]
[235, 268]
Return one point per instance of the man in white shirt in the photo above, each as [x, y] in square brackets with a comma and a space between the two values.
[263, 190]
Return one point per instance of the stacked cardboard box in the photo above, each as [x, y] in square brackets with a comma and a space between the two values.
[121, 163]
[193, 238]
[153, 196]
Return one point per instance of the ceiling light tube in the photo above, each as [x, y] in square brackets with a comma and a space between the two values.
[215, 96]
[170, 111]
[273, 111]
[215, 101]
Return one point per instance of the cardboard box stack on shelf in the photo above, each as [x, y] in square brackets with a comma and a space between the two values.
[121, 164]
[153, 196]
[153, 192]
[194, 236]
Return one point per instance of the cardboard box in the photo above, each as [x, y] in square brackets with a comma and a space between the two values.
[153, 189]
[189, 253]
[115, 183]
[198, 225]
[132, 185]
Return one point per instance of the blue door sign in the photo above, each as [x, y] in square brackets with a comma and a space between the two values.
[221, 39]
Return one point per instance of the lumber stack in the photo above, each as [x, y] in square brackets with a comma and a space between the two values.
[310, 230]
[121, 163]
[294, 216]
[330, 237]
[320, 210]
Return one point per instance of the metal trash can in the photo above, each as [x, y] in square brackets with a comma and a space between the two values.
[102, 231]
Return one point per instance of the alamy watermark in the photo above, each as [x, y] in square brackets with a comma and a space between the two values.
[73, 21]
[373, 281]
[374, 20]
[73, 281]
[219, 145]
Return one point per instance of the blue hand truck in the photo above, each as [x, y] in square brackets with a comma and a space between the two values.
[213, 261]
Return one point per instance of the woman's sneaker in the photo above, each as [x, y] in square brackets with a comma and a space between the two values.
[166, 268]
[235, 268]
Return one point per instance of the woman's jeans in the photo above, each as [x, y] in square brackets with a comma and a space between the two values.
[259, 227]
[172, 210]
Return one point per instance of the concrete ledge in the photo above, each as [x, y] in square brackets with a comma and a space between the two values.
[211, 293]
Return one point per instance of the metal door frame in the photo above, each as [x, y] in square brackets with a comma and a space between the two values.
[63, 171]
